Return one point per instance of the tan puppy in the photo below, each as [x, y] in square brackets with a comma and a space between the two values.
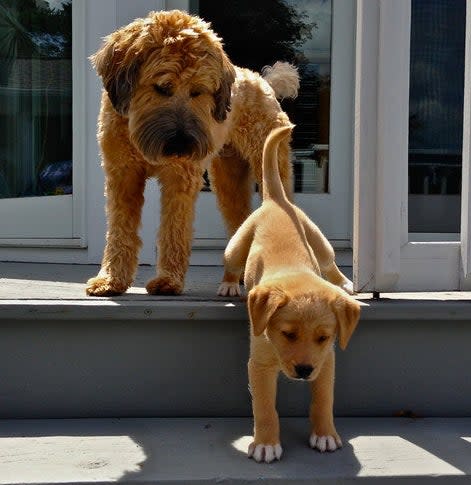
[295, 314]
[172, 102]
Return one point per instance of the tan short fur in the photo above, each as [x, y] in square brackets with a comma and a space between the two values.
[172, 102]
[295, 313]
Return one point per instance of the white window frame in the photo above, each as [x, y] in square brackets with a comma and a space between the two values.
[386, 256]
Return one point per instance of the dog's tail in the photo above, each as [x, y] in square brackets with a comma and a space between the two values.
[272, 185]
[283, 77]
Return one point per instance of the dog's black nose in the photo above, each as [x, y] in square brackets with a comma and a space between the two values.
[179, 144]
[303, 371]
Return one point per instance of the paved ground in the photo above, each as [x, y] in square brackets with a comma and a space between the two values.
[213, 450]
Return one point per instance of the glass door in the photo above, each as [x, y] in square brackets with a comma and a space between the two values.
[36, 168]
[318, 37]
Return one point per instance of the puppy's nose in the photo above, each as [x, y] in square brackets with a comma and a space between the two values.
[303, 371]
[179, 144]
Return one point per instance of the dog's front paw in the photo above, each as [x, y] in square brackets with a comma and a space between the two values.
[325, 443]
[265, 453]
[229, 289]
[104, 286]
[164, 285]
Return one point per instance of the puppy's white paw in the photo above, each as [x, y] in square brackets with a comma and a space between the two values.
[265, 453]
[229, 289]
[325, 443]
[347, 286]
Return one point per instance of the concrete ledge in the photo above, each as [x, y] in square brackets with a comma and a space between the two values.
[57, 291]
[212, 450]
[420, 307]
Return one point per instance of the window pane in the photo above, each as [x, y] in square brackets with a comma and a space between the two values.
[35, 98]
[436, 114]
[259, 33]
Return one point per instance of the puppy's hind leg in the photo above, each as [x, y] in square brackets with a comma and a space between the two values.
[231, 181]
[235, 257]
[325, 255]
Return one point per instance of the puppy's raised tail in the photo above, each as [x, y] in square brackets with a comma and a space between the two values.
[283, 77]
[272, 185]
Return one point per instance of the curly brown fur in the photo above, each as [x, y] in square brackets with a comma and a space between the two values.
[171, 101]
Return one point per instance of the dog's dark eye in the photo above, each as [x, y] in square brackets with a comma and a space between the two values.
[195, 94]
[163, 90]
[291, 336]
[322, 338]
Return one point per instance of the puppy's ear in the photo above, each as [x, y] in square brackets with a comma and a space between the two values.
[118, 65]
[347, 312]
[222, 97]
[262, 303]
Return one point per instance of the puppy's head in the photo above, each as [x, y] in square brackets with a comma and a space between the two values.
[169, 75]
[302, 325]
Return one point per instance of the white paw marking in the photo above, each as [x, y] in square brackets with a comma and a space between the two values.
[348, 287]
[265, 453]
[324, 443]
[229, 289]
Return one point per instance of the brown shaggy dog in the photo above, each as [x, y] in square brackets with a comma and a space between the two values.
[172, 102]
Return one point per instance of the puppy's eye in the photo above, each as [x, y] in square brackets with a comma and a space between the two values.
[165, 90]
[322, 338]
[195, 93]
[291, 336]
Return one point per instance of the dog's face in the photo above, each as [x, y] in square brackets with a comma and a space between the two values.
[169, 75]
[302, 327]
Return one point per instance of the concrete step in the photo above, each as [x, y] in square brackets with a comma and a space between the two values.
[213, 451]
[63, 355]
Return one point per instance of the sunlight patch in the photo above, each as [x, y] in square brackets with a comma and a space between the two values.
[242, 444]
[53, 459]
[395, 456]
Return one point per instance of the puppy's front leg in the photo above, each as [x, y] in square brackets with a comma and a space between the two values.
[266, 445]
[323, 433]
[178, 197]
[124, 200]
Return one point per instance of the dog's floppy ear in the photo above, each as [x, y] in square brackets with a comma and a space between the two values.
[222, 96]
[262, 303]
[118, 65]
[347, 312]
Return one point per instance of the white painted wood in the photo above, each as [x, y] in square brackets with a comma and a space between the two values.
[177, 4]
[429, 266]
[365, 145]
[466, 161]
[101, 20]
[393, 124]
[36, 217]
[385, 258]
[79, 69]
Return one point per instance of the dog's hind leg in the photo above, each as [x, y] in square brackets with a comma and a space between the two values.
[231, 181]
[325, 255]
[124, 201]
[235, 257]
[180, 188]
